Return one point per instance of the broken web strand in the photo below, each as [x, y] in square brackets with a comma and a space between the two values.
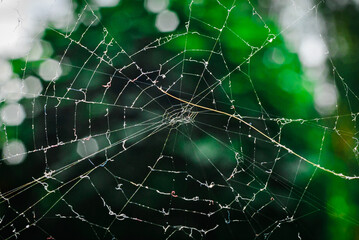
[341, 175]
[229, 206]
[206, 109]
[289, 151]
[315, 7]
[131, 197]
[143, 181]
[149, 173]
[8, 195]
[205, 63]
[77, 180]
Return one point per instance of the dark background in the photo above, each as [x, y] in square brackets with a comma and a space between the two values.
[162, 134]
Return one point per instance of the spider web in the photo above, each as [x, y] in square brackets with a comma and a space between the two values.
[170, 137]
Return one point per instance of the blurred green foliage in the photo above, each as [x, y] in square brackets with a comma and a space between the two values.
[267, 70]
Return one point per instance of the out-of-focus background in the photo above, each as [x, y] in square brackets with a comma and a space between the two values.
[91, 148]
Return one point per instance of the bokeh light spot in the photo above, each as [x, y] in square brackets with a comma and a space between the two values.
[14, 152]
[156, 6]
[13, 114]
[87, 147]
[167, 21]
[50, 70]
